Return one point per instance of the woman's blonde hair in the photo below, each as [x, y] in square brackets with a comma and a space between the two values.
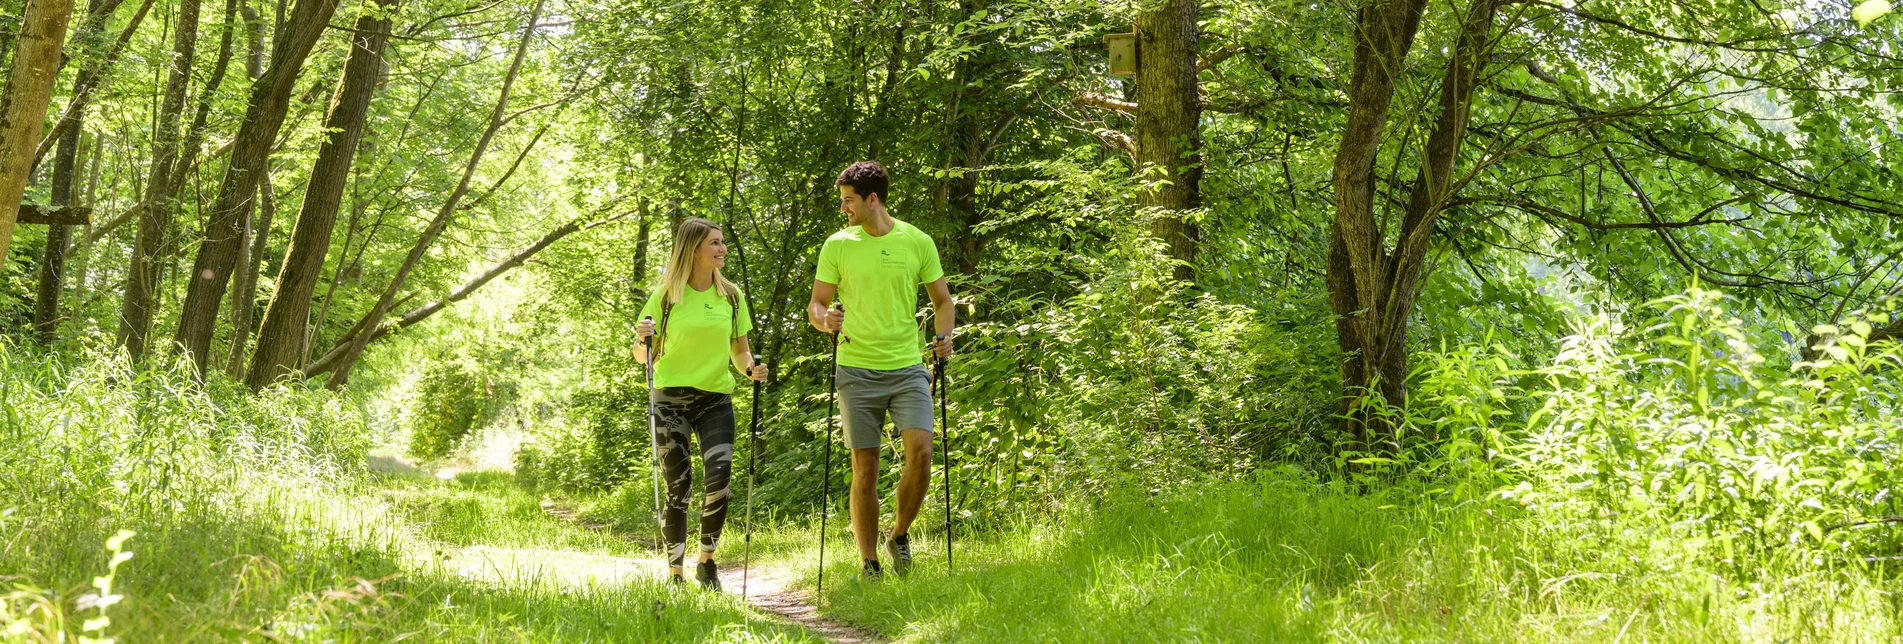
[680, 263]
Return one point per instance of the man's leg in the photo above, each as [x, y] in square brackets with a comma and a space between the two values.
[915, 480]
[865, 501]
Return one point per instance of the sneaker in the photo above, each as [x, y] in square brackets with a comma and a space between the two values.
[708, 575]
[899, 548]
[871, 571]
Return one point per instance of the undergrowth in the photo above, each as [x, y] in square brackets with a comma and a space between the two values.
[213, 515]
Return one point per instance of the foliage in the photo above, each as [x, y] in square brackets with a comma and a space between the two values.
[1279, 556]
[256, 520]
[1678, 424]
[455, 395]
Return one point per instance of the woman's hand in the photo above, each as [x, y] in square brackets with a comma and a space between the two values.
[644, 330]
[757, 372]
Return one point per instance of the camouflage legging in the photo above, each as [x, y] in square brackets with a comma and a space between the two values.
[679, 411]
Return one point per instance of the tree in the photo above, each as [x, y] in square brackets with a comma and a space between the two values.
[1169, 127]
[352, 348]
[36, 61]
[52, 274]
[264, 114]
[155, 219]
[1371, 287]
[281, 339]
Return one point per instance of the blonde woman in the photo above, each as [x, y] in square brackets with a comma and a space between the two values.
[702, 321]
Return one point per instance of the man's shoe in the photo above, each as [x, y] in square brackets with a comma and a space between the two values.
[899, 548]
[708, 575]
[871, 571]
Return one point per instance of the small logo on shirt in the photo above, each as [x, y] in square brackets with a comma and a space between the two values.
[887, 259]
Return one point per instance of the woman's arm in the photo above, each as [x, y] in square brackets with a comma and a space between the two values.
[741, 355]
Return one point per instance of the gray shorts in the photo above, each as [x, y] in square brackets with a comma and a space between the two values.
[866, 396]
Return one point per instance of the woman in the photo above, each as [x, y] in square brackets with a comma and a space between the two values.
[702, 322]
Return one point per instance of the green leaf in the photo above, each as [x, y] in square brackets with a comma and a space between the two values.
[1869, 11]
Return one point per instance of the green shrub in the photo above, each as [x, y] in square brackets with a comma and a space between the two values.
[454, 397]
[1680, 426]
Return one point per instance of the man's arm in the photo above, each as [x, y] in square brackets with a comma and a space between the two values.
[819, 311]
[943, 310]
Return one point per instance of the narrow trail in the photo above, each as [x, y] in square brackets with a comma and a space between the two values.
[771, 590]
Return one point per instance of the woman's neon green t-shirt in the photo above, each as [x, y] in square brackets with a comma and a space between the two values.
[698, 338]
[878, 279]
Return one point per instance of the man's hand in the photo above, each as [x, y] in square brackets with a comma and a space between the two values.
[832, 321]
[942, 346]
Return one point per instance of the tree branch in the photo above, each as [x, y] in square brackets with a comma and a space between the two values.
[332, 356]
[1093, 99]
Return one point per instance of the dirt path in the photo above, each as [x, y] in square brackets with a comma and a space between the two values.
[769, 589]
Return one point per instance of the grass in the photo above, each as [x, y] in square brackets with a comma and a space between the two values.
[472, 559]
[254, 520]
[1281, 558]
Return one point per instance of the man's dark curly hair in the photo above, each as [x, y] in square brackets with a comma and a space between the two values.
[867, 178]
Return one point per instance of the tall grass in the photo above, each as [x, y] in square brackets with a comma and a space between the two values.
[1285, 558]
[255, 520]
[1661, 480]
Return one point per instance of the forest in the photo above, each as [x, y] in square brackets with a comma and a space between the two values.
[1338, 320]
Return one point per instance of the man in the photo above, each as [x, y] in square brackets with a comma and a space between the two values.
[875, 267]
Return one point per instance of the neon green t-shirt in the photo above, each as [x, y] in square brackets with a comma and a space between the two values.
[878, 280]
[697, 339]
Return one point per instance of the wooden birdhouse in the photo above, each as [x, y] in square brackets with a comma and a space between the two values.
[1123, 54]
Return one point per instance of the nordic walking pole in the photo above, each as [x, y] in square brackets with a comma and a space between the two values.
[654, 442]
[753, 457]
[944, 425]
[826, 475]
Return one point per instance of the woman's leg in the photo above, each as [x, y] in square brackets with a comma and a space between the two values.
[715, 429]
[672, 425]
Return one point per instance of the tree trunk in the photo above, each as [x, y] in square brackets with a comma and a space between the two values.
[1372, 289]
[264, 114]
[52, 274]
[251, 266]
[281, 339]
[256, 232]
[149, 249]
[1169, 126]
[257, 228]
[53, 264]
[36, 61]
[97, 15]
[254, 42]
[640, 288]
[195, 136]
[353, 349]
